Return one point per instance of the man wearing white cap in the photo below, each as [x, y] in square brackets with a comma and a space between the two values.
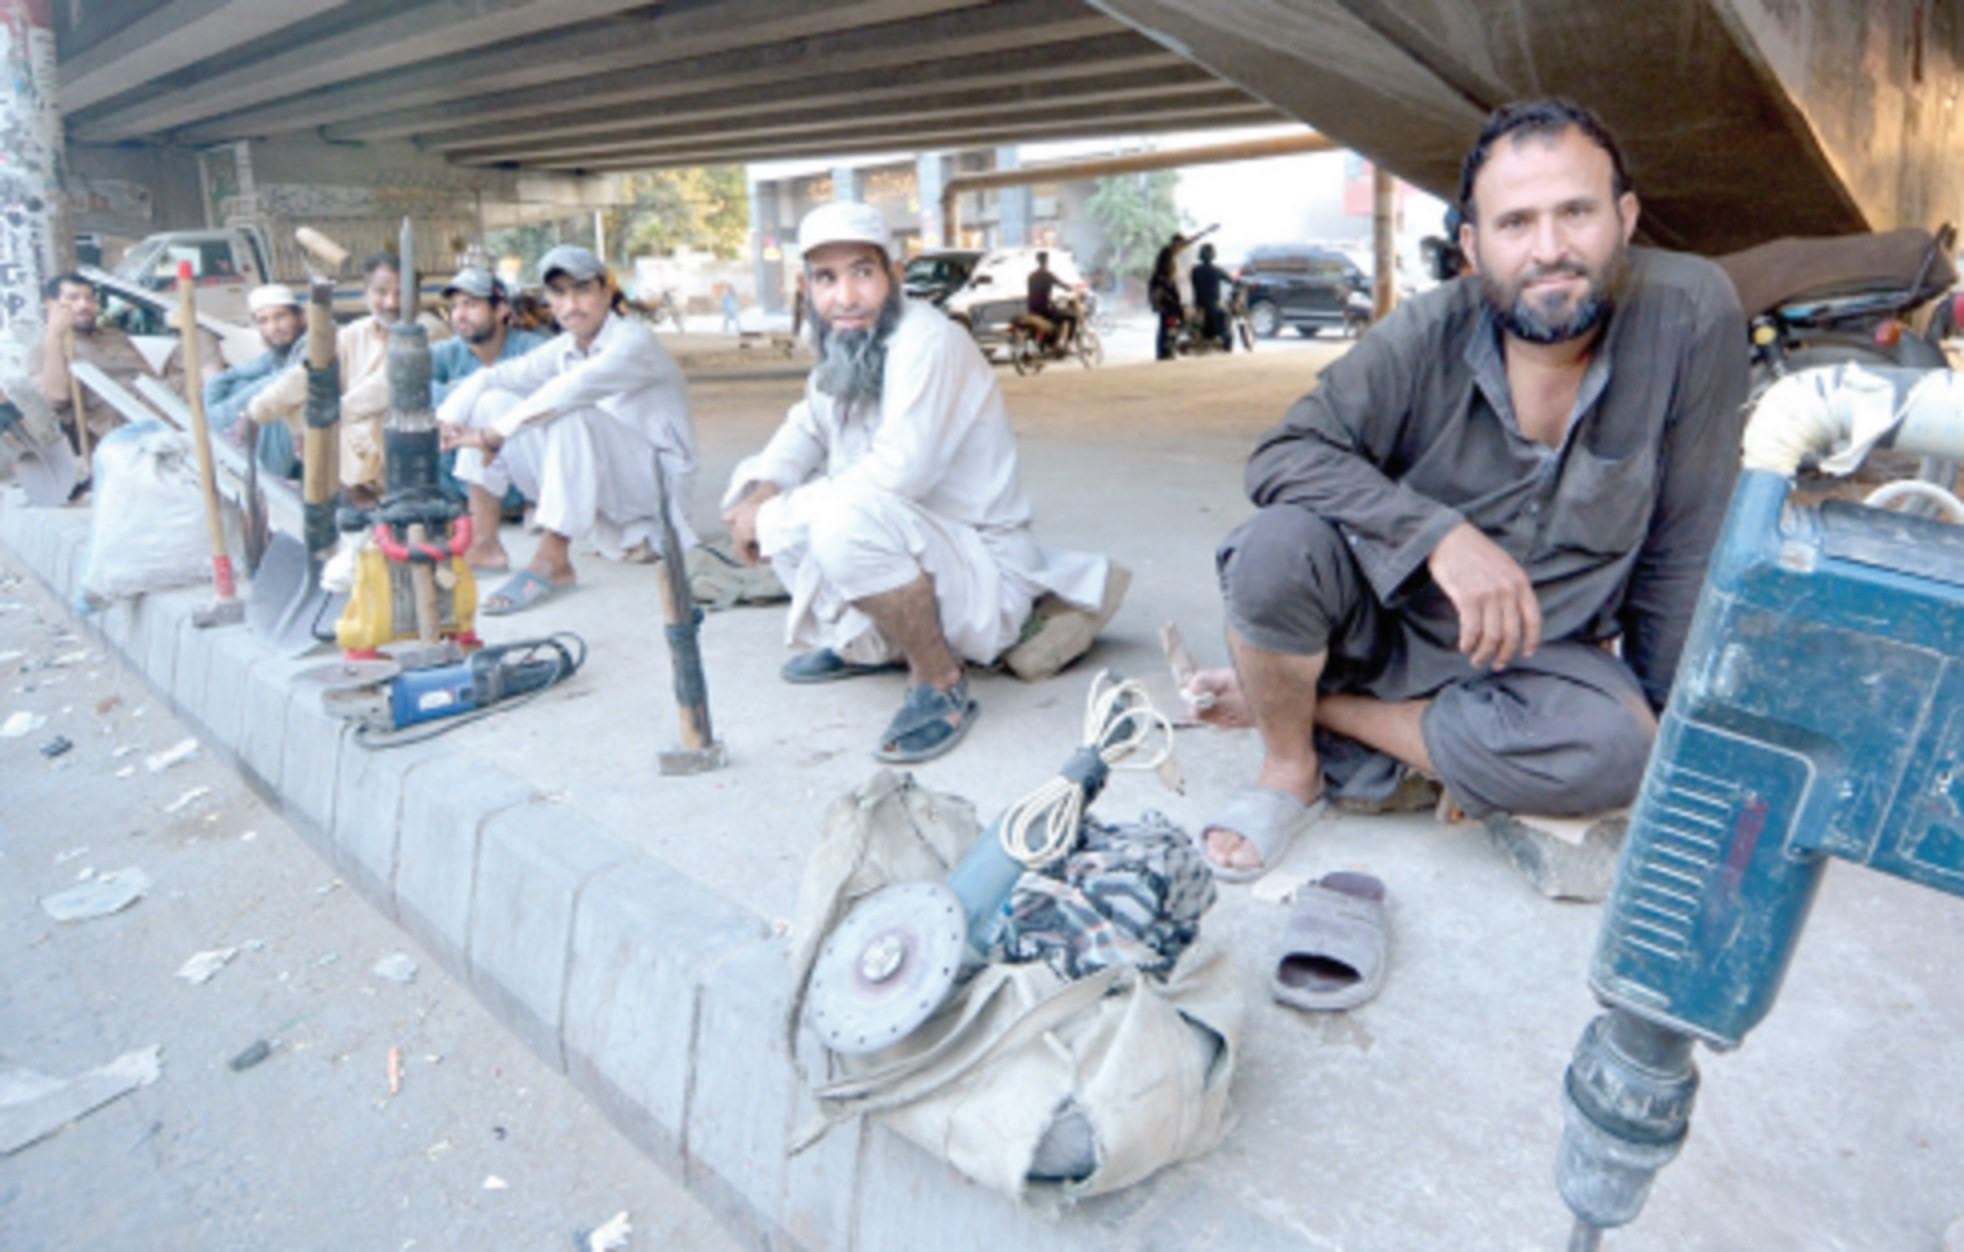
[888, 502]
[361, 349]
[276, 312]
[579, 426]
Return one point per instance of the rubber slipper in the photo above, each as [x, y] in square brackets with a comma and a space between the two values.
[521, 591]
[1268, 819]
[921, 731]
[1332, 954]
[823, 665]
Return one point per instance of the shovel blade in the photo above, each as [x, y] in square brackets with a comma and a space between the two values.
[286, 603]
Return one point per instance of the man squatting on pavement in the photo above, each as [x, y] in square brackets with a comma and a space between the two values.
[361, 350]
[578, 426]
[888, 502]
[1498, 485]
[481, 316]
[282, 326]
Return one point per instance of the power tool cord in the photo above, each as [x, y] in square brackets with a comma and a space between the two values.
[1119, 720]
[571, 654]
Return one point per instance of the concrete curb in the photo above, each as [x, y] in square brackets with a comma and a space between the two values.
[659, 999]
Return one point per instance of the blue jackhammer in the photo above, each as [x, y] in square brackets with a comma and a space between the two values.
[1818, 712]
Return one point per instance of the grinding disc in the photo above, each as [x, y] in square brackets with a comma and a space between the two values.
[345, 675]
[887, 967]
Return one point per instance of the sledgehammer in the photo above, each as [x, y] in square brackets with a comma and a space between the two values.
[699, 750]
[227, 609]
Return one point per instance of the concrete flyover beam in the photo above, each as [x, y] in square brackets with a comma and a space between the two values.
[849, 131]
[667, 34]
[1070, 69]
[918, 105]
[980, 132]
[405, 36]
[1711, 137]
[1008, 26]
[171, 38]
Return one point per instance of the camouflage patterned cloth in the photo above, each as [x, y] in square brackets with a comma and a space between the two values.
[1131, 894]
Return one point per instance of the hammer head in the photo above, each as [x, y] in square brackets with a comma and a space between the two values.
[692, 760]
[324, 256]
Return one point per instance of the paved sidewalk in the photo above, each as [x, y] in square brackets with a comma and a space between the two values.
[621, 922]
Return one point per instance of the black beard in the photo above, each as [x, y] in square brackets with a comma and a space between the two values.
[479, 338]
[852, 363]
[1519, 317]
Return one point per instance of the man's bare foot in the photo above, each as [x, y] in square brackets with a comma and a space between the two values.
[1226, 848]
[1214, 698]
[487, 558]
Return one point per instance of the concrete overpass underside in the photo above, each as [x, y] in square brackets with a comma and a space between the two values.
[1745, 119]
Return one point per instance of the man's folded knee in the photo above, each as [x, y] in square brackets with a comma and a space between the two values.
[1577, 752]
[1278, 571]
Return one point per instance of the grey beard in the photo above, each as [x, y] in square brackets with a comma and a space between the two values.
[852, 363]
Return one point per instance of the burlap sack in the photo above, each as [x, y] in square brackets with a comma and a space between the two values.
[1147, 1063]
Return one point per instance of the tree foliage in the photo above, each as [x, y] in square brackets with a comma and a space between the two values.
[1138, 216]
[706, 208]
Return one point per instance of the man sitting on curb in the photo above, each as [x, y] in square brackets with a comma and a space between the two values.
[579, 427]
[889, 501]
[277, 314]
[362, 350]
[1503, 481]
[480, 314]
[72, 310]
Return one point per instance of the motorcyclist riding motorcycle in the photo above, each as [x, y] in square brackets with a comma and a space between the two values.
[1209, 281]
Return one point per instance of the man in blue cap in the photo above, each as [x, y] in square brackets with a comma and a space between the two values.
[579, 426]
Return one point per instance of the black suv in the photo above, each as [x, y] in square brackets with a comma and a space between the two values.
[934, 276]
[1304, 286]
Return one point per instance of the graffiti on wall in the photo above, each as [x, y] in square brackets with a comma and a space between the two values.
[30, 165]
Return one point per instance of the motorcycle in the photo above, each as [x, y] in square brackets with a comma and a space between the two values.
[1192, 338]
[1850, 298]
[1036, 341]
[1814, 302]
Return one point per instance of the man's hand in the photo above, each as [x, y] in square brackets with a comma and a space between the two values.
[61, 320]
[1499, 617]
[741, 518]
[487, 441]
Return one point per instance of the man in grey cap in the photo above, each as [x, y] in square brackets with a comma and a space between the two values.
[580, 427]
[480, 316]
[277, 314]
[889, 503]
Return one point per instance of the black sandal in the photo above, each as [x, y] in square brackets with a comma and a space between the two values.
[921, 731]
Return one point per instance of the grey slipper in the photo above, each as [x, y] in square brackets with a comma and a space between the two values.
[1268, 819]
[1332, 955]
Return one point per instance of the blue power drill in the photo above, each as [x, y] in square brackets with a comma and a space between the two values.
[1818, 712]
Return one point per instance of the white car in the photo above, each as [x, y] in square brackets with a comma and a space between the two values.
[998, 289]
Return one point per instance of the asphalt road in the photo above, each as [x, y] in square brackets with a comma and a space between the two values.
[477, 1145]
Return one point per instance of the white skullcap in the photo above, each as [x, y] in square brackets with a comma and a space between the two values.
[844, 221]
[272, 296]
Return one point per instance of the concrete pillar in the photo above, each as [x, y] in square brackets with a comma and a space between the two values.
[845, 183]
[34, 243]
[1384, 248]
[1012, 204]
[930, 175]
[767, 244]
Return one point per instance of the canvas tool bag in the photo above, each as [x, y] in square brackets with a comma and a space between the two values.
[1145, 1061]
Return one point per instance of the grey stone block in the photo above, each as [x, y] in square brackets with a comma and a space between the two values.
[743, 1090]
[532, 863]
[310, 759]
[164, 619]
[189, 675]
[368, 809]
[444, 808]
[227, 677]
[642, 934]
[1557, 868]
[69, 560]
[820, 1183]
[262, 748]
[117, 626]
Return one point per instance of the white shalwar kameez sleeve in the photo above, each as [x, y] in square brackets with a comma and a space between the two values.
[583, 434]
[923, 482]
